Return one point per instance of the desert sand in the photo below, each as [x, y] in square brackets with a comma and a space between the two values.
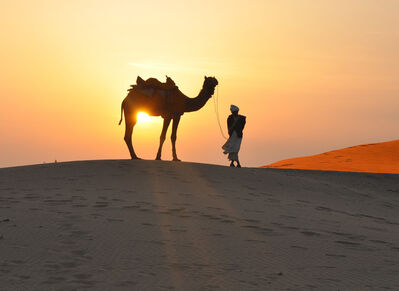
[380, 157]
[154, 225]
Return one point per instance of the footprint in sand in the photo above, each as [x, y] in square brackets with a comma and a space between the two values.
[299, 247]
[310, 233]
[184, 216]
[53, 280]
[80, 205]
[81, 254]
[82, 276]
[214, 208]
[378, 241]
[177, 230]
[100, 204]
[347, 243]
[227, 221]
[131, 207]
[322, 208]
[115, 220]
[51, 267]
[251, 220]
[31, 197]
[252, 227]
[127, 284]
[22, 277]
[70, 265]
[83, 279]
[375, 228]
[177, 209]
[290, 227]
[77, 234]
[335, 255]
[253, 194]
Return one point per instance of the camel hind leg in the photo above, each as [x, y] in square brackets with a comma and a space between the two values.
[166, 122]
[130, 123]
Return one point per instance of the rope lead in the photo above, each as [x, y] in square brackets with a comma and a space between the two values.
[216, 106]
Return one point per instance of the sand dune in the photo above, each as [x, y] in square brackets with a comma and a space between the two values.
[150, 225]
[372, 158]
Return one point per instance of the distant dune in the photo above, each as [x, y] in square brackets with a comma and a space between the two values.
[154, 225]
[373, 158]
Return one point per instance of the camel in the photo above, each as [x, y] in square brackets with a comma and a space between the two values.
[170, 104]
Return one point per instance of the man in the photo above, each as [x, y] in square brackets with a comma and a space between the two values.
[235, 126]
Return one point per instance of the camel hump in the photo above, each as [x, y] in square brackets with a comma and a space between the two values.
[153, 83]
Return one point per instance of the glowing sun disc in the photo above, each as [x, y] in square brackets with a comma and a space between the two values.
[142, 117]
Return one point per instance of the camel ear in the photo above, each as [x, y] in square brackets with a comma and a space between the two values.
[205, 77]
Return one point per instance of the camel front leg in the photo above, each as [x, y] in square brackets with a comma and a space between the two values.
[128, 137]
[174, 137]
[166, 122]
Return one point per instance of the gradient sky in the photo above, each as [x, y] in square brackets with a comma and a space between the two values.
[310, 75]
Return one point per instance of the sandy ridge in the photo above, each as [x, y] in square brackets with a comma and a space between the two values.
[372, 158]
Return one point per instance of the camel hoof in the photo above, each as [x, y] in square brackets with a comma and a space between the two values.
[158, 159]
[176, 160]
[136, 158]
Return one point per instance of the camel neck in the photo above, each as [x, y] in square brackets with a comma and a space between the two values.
[194, 104]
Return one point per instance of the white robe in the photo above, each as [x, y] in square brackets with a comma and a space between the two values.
[232, 147]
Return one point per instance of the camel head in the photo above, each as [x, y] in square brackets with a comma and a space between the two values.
[209, 85]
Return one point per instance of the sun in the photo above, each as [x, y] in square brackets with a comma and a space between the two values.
[142, 117]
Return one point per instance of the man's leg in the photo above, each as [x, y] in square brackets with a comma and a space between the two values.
[231, 158]
[238, 162]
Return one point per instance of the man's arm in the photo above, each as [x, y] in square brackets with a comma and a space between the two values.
[230, 125]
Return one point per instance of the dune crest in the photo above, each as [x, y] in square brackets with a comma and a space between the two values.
[373, 158]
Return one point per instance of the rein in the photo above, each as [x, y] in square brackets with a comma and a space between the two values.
[216, 106]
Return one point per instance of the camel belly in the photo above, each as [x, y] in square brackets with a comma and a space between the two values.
[158, 102]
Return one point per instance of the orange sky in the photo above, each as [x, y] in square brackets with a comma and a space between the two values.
[310, 76]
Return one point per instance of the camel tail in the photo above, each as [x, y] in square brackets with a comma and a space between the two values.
[123, 103]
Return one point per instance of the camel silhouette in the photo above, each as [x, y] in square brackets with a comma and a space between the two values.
[165, 100]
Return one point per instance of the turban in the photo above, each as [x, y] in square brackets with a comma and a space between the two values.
[234, 108]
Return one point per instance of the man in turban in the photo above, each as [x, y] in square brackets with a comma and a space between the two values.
[235, 126]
